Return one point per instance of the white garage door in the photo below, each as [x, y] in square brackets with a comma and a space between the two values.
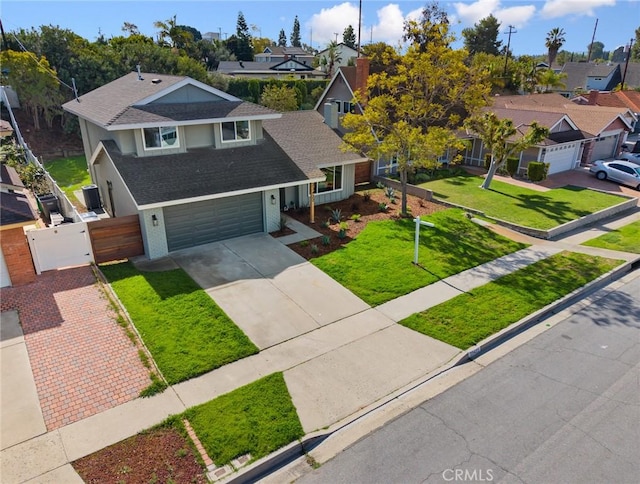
[604, 148]
[199, 223]
[561, 157]
[5, 280]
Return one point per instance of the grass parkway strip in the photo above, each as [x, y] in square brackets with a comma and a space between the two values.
[185, 331]
[253, 420]
[520, 205]
[377, 265]
[469, 318]
[625, 239]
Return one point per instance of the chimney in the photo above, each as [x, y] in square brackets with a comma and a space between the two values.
[362, 74]
[331, 114]
[593, 97]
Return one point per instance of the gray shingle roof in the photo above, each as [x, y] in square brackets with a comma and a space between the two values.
[204, 171]
[107, 102]
[15, 209]
[309, 142]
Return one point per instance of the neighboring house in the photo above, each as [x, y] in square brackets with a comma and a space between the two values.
[277, 54]
[198, 165]
[337, 98]
[290, 69]
[346, 56]
[5, 129]
[562, 149]
[16, 265]
[605, 128]
[587, 76]
[617, 99]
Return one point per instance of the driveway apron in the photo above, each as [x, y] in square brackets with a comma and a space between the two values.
[268, 290]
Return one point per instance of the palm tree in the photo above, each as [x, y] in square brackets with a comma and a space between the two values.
[551, 79]
[555, 40]
[333, 57]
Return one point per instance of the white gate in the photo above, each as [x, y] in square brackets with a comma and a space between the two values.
[60, 246]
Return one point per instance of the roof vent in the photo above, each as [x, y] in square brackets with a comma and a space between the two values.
[156, 81]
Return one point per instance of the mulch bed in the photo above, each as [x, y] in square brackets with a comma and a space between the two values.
[160, 455]
[365, 203]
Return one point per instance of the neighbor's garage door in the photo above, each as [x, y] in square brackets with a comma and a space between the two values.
[604, 148]
[560, 158]
[198, 223]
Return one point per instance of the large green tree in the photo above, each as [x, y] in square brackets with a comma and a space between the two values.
[241, 44]
[412, 114]
[279, 98]
[35, 83]
[349, 37]
[282, 38]
[503, 139]
[295, 33]
[483, 37]
[555, 39]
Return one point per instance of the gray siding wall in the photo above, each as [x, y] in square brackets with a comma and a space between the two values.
[92, 134]
[122, 200]
[348, 188]
[187, 94]
[199, 136]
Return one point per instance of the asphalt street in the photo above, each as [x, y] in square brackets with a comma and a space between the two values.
[562, 408]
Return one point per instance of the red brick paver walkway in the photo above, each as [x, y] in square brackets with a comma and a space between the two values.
[83, 362]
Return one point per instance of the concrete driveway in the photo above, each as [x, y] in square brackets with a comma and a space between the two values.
[268, 290]
[581, 177]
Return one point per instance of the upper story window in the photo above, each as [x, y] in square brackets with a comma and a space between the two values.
[235, 131]
[156, 138]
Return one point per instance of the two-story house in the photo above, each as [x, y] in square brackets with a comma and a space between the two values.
[198, 165]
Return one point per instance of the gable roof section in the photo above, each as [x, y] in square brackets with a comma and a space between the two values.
[309, 142]
[107, 103]
[619, 99]
[15, 210]
[578, 72]
[189, 113]
[345, 73]
[204, 172]
[590, 119]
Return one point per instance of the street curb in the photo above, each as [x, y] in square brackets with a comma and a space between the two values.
[267, 465]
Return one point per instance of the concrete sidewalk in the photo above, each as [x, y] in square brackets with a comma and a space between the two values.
[349, 362]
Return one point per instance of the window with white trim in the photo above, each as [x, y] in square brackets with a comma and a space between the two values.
[235, 131]
[333, 181]
[158, 138]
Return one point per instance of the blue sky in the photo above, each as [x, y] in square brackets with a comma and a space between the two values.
[321, 19]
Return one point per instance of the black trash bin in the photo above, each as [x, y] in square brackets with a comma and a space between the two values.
[91, 197]
[48, 204]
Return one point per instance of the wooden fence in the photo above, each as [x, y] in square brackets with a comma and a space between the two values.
[115, 238]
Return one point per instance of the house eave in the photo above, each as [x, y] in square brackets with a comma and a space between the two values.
[182, 201]
[193, 122]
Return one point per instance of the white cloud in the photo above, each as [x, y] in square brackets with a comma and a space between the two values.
[560, 8]
[333, 20]
[390, 24]
[471, 13]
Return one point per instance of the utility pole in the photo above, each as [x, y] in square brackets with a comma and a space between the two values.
[626, 64]
[593, 37]
[336, 34]
[512, 30]
[359, 26]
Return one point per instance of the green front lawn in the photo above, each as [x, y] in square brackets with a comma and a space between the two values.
[378, 266]
[70, 174]
[519, 205]
[468, 318]
[625, 239]
[185, 331]
[256, 419]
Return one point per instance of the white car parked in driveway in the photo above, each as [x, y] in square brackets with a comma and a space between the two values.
[621, 171]
[632, 157]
